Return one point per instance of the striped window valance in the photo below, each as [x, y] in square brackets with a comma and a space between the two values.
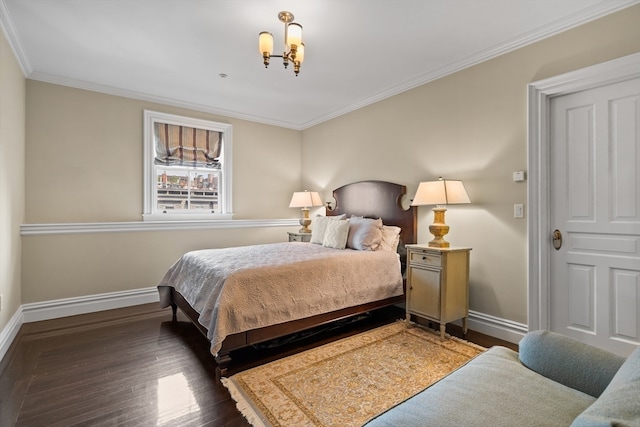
[186, 146]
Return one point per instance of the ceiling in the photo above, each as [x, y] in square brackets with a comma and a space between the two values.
[357, 51]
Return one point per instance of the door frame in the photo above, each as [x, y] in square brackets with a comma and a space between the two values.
[538, 183]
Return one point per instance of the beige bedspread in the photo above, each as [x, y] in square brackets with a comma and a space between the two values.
[243, 288]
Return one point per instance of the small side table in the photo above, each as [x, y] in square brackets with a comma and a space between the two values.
[299, 237]
[438, 284]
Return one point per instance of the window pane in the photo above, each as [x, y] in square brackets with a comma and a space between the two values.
[173, 190]
[203, 191]
[187, 190]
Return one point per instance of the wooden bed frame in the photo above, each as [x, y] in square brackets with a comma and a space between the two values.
[373, 199]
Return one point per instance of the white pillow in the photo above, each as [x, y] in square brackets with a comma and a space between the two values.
[320, 226]
[365, 234]
[336, 234]
[390, 238]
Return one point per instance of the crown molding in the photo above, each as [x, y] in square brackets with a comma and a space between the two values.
[588, 14]
[141, 96]
[11, 34]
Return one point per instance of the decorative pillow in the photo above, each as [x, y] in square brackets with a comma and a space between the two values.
[618, 405]
[365, 234]
[390, 238]
[320, 226]
[336, 234]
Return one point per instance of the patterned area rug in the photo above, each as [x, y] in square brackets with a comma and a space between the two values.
[347, 382]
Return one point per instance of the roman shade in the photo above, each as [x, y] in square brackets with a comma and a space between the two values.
[186, 146]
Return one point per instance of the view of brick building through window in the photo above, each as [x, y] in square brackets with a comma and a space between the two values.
[187, 189]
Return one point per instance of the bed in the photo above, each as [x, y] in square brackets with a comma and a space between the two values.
[223, 291]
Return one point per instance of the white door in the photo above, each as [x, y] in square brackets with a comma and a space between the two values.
[594, 168]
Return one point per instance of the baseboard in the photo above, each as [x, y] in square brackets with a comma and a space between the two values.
[497, 327]
[35, 312]
[493, 326]
[10, 331]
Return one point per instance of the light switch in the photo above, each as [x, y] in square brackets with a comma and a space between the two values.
[518, 176]
[518, 210]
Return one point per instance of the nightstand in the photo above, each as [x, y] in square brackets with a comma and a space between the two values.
[299, 237]
[438, 284]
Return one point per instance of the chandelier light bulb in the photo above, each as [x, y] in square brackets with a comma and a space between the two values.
[266, 43]
[294, 36]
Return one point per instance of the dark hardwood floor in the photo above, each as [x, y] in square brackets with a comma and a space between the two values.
[135, 366]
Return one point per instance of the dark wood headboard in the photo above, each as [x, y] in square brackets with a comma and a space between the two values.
[378, 199]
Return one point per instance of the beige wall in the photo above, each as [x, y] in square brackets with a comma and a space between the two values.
[75, 265]
[84, 158]
[84, 165]
[471, 125]
[12, 165]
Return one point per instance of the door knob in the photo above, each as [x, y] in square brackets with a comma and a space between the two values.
[557, 239]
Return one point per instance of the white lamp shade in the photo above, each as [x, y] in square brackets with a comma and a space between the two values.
[265, 42]
[305, 199]
[441, 192]
[294, 34]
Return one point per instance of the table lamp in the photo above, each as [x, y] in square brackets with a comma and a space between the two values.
[440, 193]
[305, 200]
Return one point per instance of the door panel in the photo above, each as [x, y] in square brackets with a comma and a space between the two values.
[581, 286]
[595, 204]
[625, 286]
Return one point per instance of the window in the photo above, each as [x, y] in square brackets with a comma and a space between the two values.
[187, 170]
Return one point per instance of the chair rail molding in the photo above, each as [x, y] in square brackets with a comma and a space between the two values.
[113, 227]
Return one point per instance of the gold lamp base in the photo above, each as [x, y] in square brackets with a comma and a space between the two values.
[305, 221]
[439, 229]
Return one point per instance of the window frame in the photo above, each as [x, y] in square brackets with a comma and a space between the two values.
[150, 212]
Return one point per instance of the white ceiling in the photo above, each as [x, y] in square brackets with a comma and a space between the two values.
[357, 51]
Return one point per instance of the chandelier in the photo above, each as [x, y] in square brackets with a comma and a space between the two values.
[293, 46]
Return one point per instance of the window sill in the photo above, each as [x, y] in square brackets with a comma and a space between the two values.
[181, 217]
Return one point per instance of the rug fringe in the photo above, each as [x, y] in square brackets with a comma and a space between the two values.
[242, 403]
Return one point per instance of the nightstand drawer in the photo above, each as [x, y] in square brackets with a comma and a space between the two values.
[299, 237]
[425, 258]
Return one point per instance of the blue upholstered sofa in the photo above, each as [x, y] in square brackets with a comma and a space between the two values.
[553, 381]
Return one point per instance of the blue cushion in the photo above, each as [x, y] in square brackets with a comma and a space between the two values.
[569, 361]
[619, 404]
